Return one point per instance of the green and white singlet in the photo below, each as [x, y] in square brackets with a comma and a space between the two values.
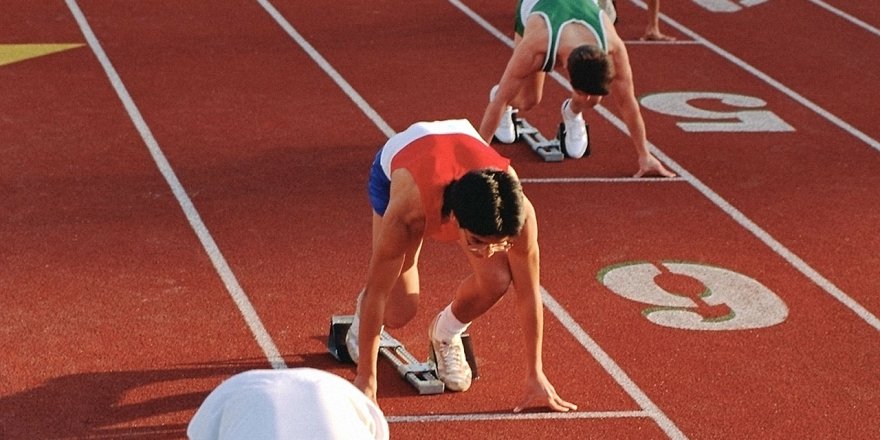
[557, 14]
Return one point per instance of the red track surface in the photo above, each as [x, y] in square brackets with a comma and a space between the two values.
[119, 313]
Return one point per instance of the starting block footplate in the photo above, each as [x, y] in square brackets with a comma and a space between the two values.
[421, 375]
[549, 150]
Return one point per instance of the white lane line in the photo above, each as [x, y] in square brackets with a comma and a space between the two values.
[483, 23]
[777, 247]
[229, 280]
[789, 256]
[660, 43]
[480, 417]
[852, 19]
[328, 68]
[747, 223]
[601, 179]
[840, 123]
[611, 367]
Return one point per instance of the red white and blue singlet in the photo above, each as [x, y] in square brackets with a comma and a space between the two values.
[435, 154]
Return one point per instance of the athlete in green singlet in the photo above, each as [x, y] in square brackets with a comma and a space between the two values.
[579, 37]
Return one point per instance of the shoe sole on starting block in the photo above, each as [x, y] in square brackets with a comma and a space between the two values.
[421, 375]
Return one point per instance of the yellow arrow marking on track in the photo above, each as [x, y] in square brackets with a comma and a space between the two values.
[11, 53]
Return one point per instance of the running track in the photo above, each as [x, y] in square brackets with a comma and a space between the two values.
[183, 200]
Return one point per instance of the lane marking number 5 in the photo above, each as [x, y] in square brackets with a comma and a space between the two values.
[736, 113]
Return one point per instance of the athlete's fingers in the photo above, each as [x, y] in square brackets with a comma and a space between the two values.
[555, 403]
[659, 170]
[666, 173]
[560, 405]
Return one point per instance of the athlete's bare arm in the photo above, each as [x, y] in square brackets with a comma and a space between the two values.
[623, 89]
[402, 230]
[522, 82]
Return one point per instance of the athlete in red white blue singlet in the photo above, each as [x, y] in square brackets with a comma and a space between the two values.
[441, 180]
[435, 153]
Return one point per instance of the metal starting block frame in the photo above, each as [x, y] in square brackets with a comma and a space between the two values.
[421, 375]
[551, 150]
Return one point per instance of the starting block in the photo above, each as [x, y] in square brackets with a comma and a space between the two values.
[551, 150]
[421, 375]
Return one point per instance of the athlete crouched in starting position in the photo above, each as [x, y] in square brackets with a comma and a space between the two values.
[441, 180]
[579, 36]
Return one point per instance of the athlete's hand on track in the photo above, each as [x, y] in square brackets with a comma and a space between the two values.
[368, 385]
[539, 392]
[650, 166]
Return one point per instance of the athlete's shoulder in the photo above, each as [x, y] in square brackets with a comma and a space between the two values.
[536, 27]
[450, 126]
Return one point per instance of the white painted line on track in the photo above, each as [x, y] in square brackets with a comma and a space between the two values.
[620, 376]
[328, 68]
[789, 256]
[852, 19]
[660, 43]
[229, 280]
[480, 417]
[777, 247]
[601, 179]
[737, 215]
[839, 122]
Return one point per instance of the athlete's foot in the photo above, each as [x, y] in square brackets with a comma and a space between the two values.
[450, 360]
[506, 131]
[576, 140]
[351, 337]
[656, 36]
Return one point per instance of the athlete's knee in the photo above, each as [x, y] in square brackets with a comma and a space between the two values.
[528, 101]
[495, 283]
[401, 311]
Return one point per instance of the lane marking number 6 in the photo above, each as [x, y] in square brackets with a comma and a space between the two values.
[695, 296]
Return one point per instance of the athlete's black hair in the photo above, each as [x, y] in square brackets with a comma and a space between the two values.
[486, 202]
[590, 70]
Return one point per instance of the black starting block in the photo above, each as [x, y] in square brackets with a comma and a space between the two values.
[551, 150]
[421, 375]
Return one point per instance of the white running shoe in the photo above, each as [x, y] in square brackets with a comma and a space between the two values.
[576, 140]
[351, 338]
[506, 131]
[448, 356]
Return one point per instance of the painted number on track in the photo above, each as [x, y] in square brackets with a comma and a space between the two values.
[738, 113]
[695, 296]
[728, 5]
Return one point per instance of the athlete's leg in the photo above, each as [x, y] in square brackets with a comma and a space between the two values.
[576, 139]
[652, 30]
[533, 89]
[475, 295]
[483, 288]
[403, 302]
